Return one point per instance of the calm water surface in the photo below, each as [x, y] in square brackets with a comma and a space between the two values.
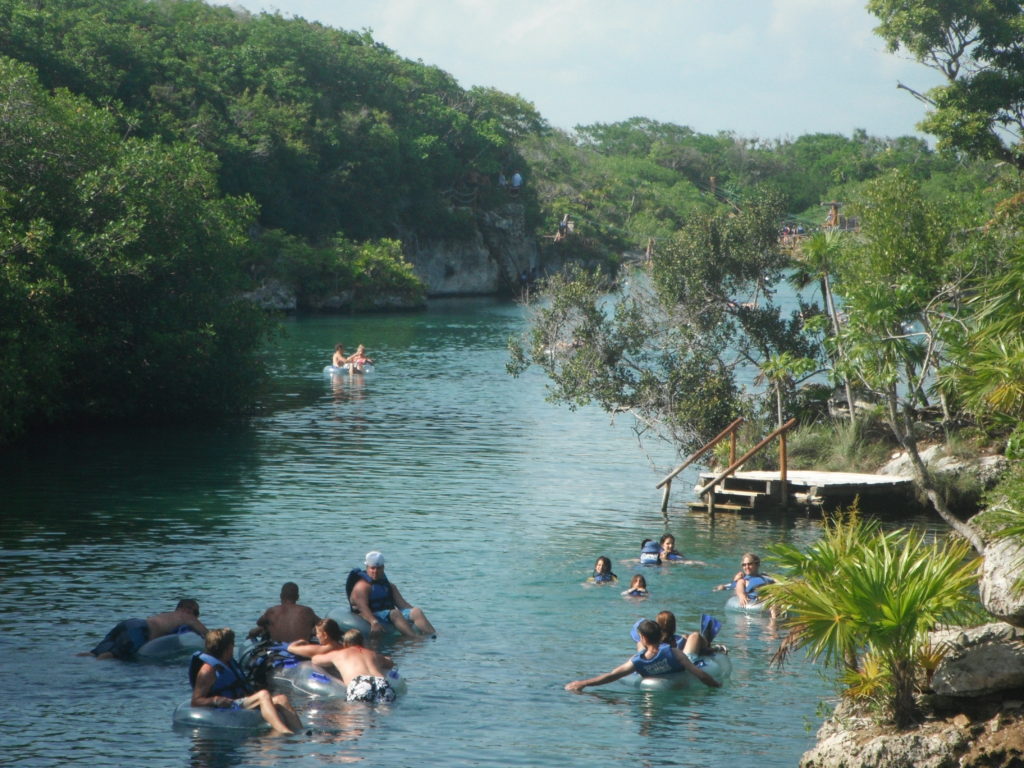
[491, 506]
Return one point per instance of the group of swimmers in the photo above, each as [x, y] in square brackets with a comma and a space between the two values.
[218, 680]
[652, 553]
[354, 363]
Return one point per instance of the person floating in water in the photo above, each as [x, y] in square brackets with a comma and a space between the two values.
[339, 359]
[379, 602]
[603, 572]
[669, 554]
[218, 681]
[362, 670]
[358, 361]
[650, 552]
[654, 660]
[328, 638]
[637, 587]
[288, 621]
[129, 635]
[694, 644]
[749, 579]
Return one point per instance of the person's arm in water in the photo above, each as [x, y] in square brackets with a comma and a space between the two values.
[619, 672]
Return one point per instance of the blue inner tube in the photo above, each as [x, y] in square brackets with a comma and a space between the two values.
[216, 717]
[348, 620]
[306, 678]
[181, 641]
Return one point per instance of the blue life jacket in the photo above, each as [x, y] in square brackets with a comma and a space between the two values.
[230, 680]
[663, 662]
[602, 578]
[650, 554]
[674, 556]
[754, 583]
[381, 595]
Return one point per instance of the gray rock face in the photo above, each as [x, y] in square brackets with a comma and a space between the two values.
[487, 263]
[986, 468]
[980, 661]
[845, 741]
[999, 571]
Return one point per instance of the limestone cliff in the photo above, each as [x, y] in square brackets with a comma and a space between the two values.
[489, 262]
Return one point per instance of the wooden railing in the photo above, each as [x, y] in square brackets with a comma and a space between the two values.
[734, 464]
[729, 431]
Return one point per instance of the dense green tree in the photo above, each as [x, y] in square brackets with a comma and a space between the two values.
[667, 346]
[977, 46]
[118, 263]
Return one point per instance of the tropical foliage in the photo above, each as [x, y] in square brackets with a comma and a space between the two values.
[864, 600]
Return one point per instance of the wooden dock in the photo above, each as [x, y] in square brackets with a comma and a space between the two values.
[763, 490]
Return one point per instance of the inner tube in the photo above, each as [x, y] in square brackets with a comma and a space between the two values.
[306, 678]
[183, 640]
[348, 620]
[337, 370]
[718, 665]
[217, 717]
[733, 604]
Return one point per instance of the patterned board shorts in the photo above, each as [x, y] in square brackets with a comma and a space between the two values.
[371, 689]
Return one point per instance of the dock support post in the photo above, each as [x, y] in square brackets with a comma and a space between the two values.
[664, 496]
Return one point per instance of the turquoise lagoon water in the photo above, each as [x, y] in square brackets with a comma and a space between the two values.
[490, 505]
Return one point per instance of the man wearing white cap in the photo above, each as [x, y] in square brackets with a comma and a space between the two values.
[378, 601]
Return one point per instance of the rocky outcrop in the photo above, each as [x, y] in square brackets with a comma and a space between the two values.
[979, 661]
[488, 262]
[986, 469]
[977, 717]
[992, 740]
[1000, 571]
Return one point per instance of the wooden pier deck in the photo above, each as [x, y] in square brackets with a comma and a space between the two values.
[762, 490]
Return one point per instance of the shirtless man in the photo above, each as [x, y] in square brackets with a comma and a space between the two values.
[361, 669]
[288, 621]
[131, 634]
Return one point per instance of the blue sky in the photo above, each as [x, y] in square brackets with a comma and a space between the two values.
[765, 68]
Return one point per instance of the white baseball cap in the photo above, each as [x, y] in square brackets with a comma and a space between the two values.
[374, 559]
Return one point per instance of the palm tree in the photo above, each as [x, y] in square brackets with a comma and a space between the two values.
[818, 257]
[864, 600]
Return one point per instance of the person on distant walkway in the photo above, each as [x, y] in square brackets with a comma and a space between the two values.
[328, 638]
[218, 681]
[131, 634]
[362, 670]
[288, 621]
[655, 659]
[377, 600]
[517, 183]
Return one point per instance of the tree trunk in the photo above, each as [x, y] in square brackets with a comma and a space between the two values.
[902, 428]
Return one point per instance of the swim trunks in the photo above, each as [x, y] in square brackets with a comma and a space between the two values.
[124, 639]
[385, 615]
[370, 688]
